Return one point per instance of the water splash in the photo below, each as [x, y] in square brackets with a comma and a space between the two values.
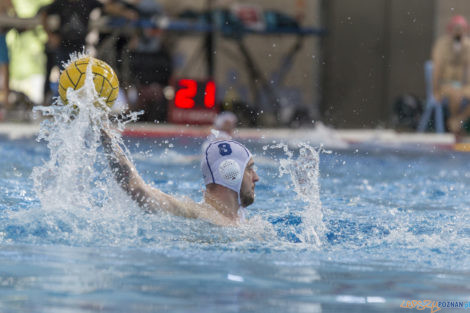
[78, 195]
[304, 172]
[72, 133]
[80, 201]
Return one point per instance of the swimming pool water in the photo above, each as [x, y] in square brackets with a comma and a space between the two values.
[394, 226]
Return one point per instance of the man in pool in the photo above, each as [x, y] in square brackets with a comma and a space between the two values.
[229, 176]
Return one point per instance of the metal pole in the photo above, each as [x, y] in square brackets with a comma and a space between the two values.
[209, 41]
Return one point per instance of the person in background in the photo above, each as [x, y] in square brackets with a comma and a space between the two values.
[6, 8]
[222, 129]
[148, 65]
[66, 24]
[225, 123]
[50, 49]
[451, 83]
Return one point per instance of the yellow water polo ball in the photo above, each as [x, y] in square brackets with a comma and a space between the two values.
[104, 78]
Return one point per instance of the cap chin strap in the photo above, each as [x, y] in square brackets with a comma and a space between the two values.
[241, 214]
[241, 183]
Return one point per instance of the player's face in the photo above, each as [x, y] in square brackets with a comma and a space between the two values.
[247, 190]
[458, 31]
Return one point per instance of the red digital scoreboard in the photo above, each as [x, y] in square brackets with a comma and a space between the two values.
[194, 102]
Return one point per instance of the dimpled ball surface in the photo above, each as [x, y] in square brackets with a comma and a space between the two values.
[104, 78]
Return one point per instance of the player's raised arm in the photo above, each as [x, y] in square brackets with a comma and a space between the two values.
[149, 198]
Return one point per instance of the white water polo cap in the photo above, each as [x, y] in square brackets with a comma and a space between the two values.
[224, 163]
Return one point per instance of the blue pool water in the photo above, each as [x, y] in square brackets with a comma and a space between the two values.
[390, 226]
[357, 230]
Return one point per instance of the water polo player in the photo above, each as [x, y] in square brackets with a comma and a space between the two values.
[229, 176]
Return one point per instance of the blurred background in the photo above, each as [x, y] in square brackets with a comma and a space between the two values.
[274, 63]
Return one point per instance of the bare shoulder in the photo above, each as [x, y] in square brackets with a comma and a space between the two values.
[207, 212]
[185, 207]
[443, 41]
[442, 44]
[466, 43]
